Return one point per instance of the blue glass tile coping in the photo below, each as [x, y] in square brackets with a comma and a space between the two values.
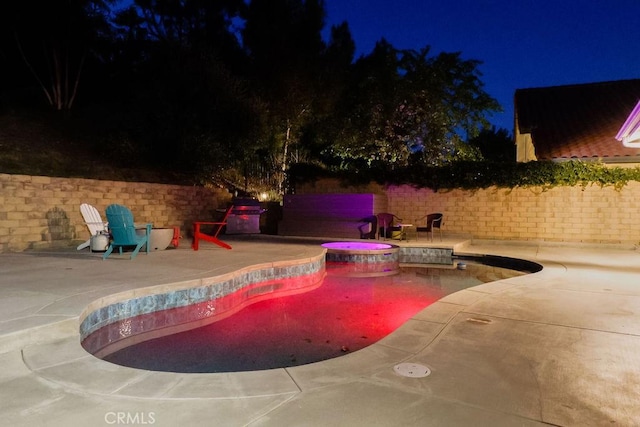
[418, 255]
[118, 307]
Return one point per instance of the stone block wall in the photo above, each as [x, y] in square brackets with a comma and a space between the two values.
[328, 185]
[39, 211]
[561, 214]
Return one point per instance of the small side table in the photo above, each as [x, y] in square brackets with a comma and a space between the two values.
[404, 228]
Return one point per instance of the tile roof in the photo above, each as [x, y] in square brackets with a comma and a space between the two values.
[577, 121]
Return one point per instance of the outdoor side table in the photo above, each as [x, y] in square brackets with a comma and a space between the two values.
[404, 228]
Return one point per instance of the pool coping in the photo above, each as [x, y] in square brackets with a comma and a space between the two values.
[100, 320]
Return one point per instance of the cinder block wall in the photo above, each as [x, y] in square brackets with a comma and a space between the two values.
[333, 186]
[41, 211]
[38, 211]
[561, 214]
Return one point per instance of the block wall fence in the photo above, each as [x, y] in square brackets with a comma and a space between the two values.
[560, 214]
[40, 212]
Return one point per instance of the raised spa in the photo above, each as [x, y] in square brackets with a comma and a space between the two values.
[362, 258]
[355, 246]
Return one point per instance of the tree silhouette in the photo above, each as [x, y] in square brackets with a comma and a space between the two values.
[53, 40]
[188, 103]
[237, 91]
[285, 47]
[407, 106]
[495, 145]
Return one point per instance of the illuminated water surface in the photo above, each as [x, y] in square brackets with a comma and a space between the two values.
[343, 315]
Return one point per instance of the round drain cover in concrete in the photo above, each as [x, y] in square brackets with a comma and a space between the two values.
[412, 370]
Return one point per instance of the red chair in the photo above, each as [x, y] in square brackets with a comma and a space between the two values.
[213, 238]
[175, 241]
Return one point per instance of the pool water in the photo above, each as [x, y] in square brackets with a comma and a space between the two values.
[343, 315]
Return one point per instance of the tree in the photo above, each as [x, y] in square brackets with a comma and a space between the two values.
[358, 129]
[495, 145]
[285, 47]
[320, 132]
[443, 104]
[192, 23]
[191, 106]
[53, 40]
[407, 106]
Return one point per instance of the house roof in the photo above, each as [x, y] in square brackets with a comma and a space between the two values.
[578, 121]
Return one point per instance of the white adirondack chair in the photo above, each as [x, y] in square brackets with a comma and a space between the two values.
[94, 222]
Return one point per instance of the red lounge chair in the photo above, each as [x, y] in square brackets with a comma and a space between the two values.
[213, 238]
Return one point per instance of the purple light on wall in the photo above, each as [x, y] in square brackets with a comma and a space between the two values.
[357, 246]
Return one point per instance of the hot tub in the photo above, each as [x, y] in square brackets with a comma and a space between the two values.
[362, 258]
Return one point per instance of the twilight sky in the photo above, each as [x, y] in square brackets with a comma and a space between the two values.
[522, 43]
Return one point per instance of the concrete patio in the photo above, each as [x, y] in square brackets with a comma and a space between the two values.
[558, 347]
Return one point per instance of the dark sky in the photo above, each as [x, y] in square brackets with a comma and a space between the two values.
[522, 43]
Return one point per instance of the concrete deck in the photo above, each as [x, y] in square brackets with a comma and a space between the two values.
[558, 347]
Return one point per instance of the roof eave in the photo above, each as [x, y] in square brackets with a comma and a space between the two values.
[630, 130]
[632, 141]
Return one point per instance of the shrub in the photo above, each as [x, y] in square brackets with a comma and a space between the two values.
[478, 175]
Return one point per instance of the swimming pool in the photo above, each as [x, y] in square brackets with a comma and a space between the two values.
[342, 315]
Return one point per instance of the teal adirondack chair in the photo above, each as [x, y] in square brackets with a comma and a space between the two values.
[123, 231]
